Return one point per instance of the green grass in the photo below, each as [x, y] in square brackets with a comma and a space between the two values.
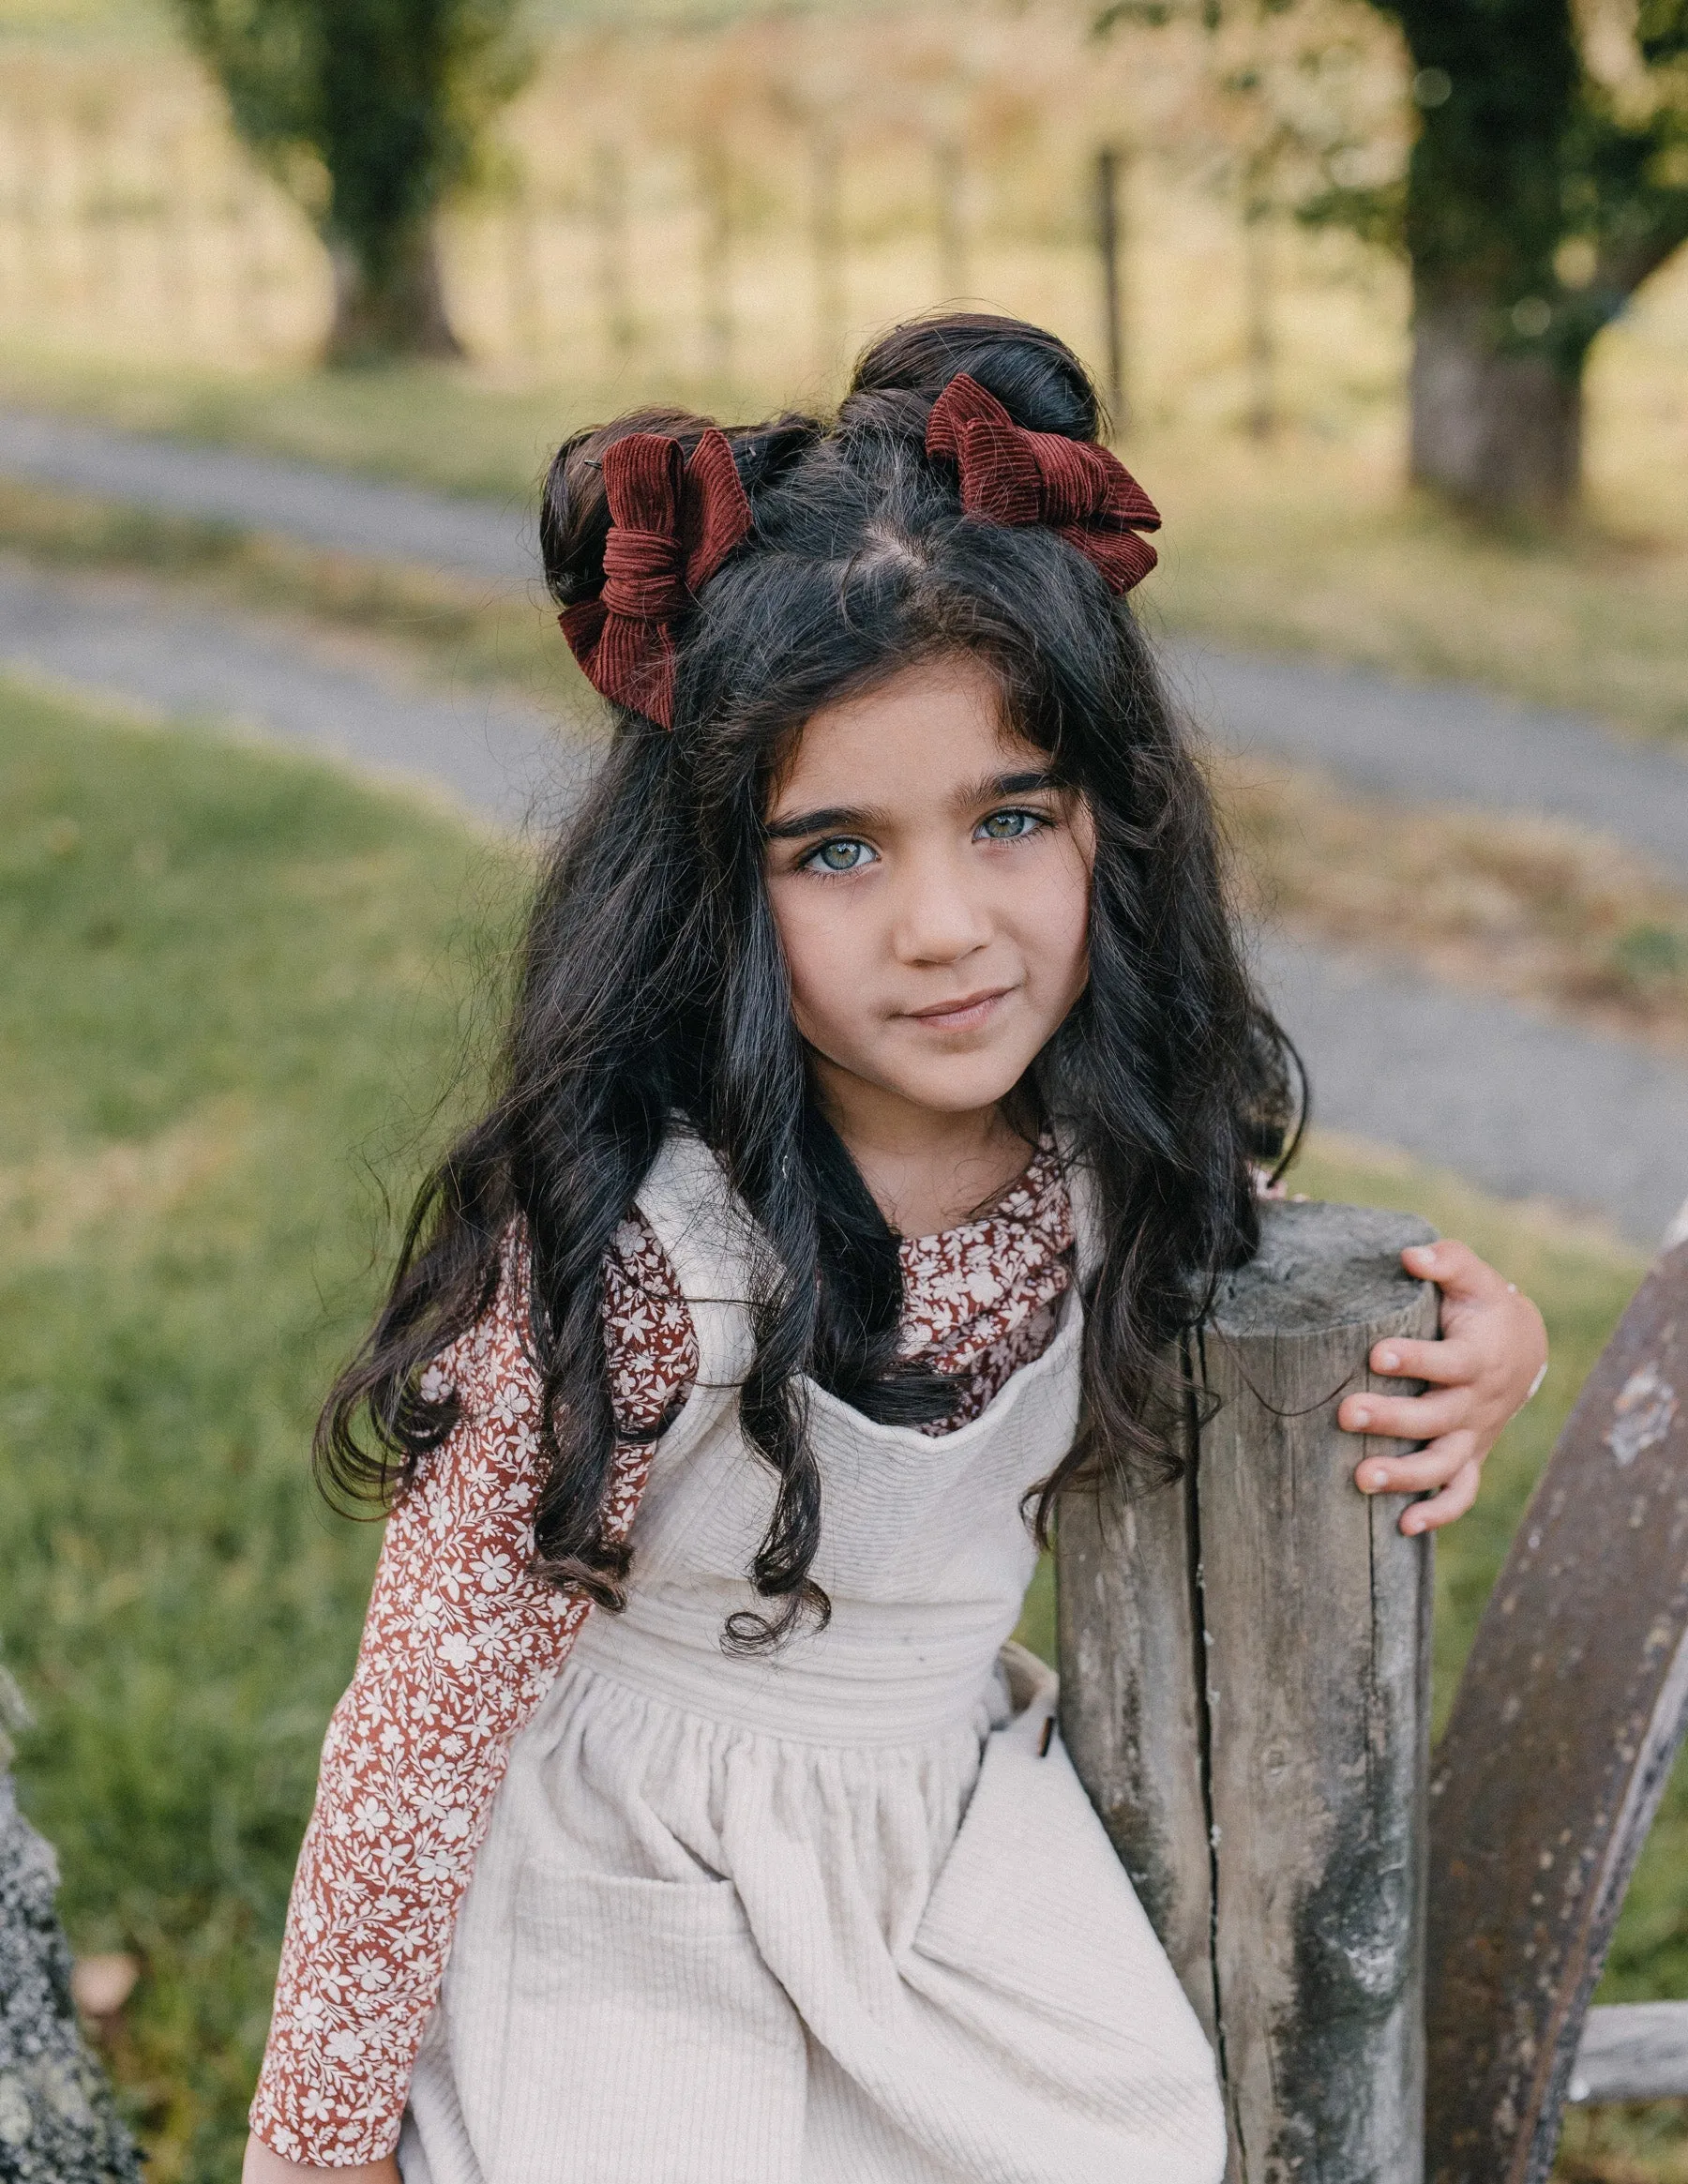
[445, 426]
[228, 980]
[232, 985]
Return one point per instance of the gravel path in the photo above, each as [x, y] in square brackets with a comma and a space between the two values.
[1523, 1106]
[119, 637]
[1441, 743]
[1526, 1106]
[1432, 742]
[266, 492]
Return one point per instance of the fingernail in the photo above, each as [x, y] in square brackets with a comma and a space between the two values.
[1360, 1415]
[1375, 1478]
[1413, 1524]
[1389, 1359]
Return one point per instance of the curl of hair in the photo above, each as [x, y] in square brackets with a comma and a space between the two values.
[652, 983]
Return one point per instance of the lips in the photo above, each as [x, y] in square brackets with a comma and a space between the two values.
[962, 1014]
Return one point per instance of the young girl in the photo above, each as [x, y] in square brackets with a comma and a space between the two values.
[884, 1092]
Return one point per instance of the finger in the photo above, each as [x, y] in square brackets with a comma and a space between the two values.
[1455, 1497]
[1427, 1467]
[1405, 1417]
[1455, 1269]
[1443, 1363]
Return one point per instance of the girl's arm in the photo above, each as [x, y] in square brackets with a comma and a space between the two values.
[1489, 1361]
[459, 1646]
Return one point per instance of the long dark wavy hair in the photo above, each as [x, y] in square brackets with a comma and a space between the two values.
[652, 984]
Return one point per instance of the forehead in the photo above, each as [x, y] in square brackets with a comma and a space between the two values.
[928, 731]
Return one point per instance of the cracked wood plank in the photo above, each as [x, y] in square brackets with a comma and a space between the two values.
[1245, 1692]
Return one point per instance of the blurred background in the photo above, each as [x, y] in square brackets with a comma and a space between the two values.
[296, 298]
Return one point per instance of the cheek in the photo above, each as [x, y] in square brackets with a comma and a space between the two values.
[817, 949]
[1057, 930]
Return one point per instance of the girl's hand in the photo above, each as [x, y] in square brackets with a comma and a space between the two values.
[1486, 1366]
[261, 2166]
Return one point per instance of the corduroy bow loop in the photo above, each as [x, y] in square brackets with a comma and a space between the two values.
[1010, 474]
[673, 520]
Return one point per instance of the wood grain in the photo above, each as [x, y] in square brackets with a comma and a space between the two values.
[1246, 1691]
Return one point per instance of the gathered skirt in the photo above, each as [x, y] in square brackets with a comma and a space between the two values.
[695, 1951]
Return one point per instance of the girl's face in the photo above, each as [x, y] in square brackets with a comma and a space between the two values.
[931, 890]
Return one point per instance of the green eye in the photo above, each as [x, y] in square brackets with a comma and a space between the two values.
[842, 854]
[1011, 826]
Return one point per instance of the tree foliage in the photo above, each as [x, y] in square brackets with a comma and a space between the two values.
[1551, 189]
[373, 111]
[1550, 166]
[1547, 179]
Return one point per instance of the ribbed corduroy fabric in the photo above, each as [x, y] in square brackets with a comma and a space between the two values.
[843, 1915]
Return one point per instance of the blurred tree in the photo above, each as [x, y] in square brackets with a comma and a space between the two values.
[1548, 179]
[372, 113]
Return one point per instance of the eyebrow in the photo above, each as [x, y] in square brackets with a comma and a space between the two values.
[832, 819]
[995, 785]
[849, 818]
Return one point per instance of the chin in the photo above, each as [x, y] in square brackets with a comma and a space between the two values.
[957, 1092]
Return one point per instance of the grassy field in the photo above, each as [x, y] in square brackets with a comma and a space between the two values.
[1528, 906]
[233, 990]
[231, 986]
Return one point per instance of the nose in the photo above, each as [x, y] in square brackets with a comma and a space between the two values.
[940, 918]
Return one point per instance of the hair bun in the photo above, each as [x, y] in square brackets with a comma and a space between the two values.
[574, 511]
[1035, 377]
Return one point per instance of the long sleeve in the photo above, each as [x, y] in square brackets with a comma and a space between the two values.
[459, 1646]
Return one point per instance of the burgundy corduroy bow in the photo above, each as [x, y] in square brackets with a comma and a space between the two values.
[674, 521]
[1012, 476]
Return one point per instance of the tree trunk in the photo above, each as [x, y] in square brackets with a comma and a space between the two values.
[1498, 429]
[392, 309]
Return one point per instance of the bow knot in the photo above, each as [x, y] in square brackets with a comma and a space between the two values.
[644, 575]
[1011, 474]
[673, 520]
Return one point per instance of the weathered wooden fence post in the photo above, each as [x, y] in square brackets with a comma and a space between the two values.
[1111, 164]
[1246, 1691]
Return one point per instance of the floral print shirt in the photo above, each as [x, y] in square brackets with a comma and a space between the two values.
[461, 1643]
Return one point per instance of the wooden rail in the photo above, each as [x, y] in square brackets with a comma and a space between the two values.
[1632, 2051]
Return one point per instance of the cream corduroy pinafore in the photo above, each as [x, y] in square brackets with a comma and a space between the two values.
[843, 1915]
